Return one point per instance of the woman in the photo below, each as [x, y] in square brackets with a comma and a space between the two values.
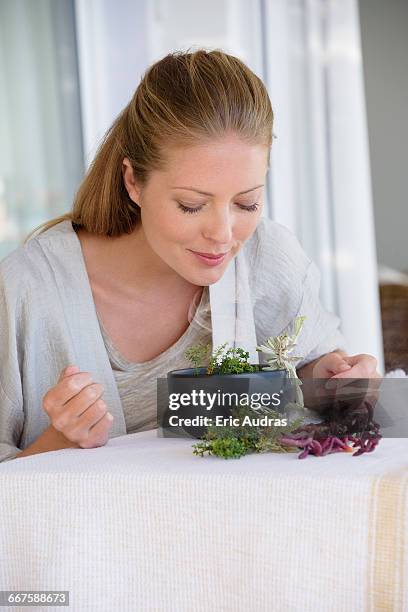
[165, 240]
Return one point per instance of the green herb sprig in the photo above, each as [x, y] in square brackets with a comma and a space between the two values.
[229, 361]
[223, 360]
[232, 442]
[197, 354]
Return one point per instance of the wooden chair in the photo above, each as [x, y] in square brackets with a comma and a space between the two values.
[394, 314]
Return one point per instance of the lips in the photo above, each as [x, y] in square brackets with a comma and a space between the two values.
[211, 255]
[209, 259]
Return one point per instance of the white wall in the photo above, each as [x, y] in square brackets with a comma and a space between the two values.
[384, 33]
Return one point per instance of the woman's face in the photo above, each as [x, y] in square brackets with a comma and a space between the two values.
[208, 201]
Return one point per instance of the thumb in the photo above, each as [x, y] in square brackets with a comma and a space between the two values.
[71, 369]
[338, 364]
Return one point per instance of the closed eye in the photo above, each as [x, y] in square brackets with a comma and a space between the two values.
[251, 208]
[191, 210]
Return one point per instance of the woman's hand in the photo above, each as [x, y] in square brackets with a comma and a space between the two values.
[76, 409]
[353, 379]
[339, 365]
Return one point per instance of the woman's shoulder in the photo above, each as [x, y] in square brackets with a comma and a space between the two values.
[16, 268]
[27, 267]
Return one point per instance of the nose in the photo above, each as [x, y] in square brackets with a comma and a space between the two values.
[218, 226]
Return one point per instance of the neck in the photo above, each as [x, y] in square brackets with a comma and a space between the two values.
[128, 262]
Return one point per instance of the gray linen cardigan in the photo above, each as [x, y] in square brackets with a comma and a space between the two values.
[48, 319]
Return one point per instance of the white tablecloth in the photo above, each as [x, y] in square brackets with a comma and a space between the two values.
[143, 524]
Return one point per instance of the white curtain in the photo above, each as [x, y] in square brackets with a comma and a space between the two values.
[41, 157]
[320, 175]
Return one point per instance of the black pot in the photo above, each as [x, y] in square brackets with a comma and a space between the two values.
[275, 383]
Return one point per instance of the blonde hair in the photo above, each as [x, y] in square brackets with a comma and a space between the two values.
[182, 99]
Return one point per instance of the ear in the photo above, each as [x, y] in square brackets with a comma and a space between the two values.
[129, 180]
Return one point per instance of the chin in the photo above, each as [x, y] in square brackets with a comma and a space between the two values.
[204, 279]
[202, 275]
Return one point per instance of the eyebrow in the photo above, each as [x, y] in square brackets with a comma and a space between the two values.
[211, 194]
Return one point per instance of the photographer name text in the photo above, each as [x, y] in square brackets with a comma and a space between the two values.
[219, 420]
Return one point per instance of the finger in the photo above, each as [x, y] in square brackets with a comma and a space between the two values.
[71, 369]
[92, 415]
[97, 433]
[369, 360]
[106, 422]
[363, 366]
[356, 371]
[66, 389]
[338, 381]
[84, 400]
[335, 363]
[80, 413]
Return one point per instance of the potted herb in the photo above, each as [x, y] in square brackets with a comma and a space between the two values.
[230, 380]
[262, 428]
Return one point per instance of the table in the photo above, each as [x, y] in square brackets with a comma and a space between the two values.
[143, 524]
